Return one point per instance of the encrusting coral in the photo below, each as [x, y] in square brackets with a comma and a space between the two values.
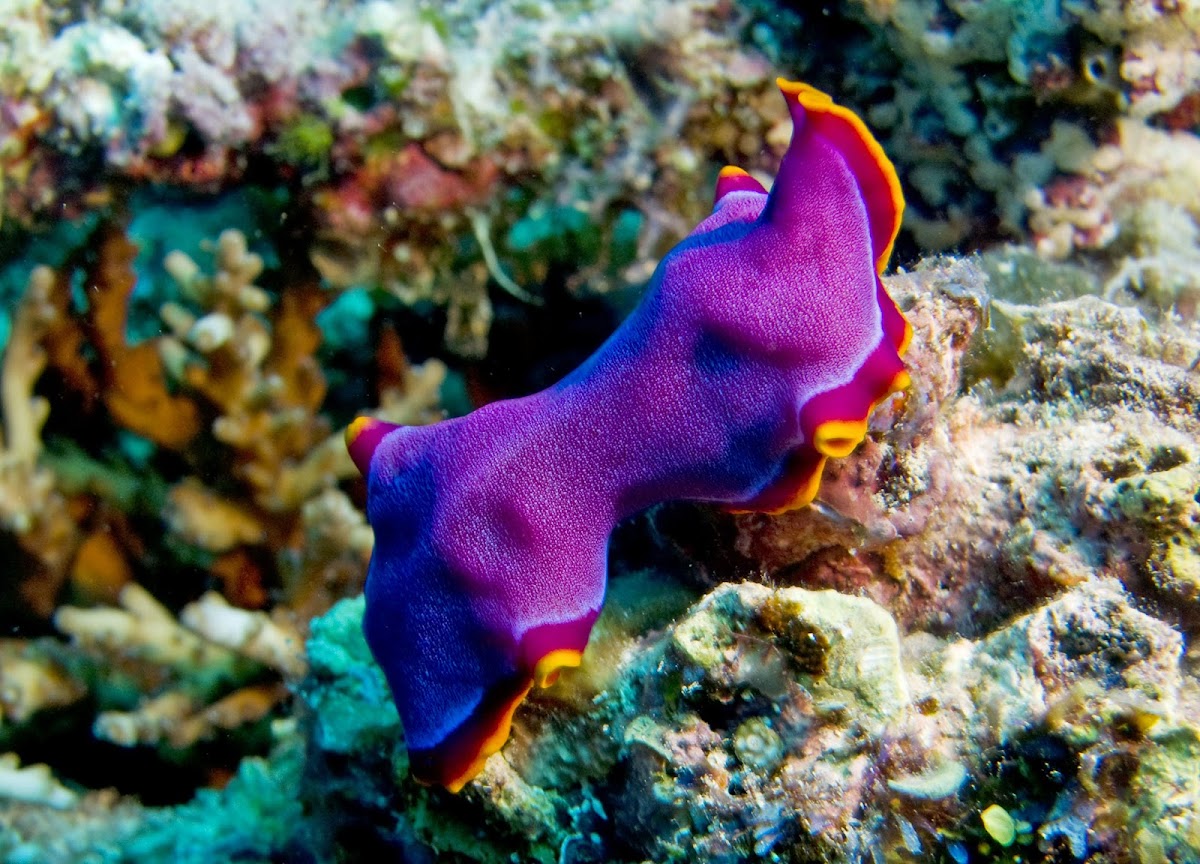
[1009, 491]
[1060, 116]
[407, 125]
[1134, 198]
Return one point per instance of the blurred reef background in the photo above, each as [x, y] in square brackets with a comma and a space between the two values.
[229, 225]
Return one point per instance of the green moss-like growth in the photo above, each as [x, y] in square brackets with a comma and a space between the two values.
[258, 817]
[1017, 277]
[358, 765]
[305, 142]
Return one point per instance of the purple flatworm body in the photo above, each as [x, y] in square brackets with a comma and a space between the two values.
[763, 343]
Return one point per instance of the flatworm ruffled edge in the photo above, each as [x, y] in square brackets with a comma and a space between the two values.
[834, 422]
[876, 176]
[461, 755]
[735, 179]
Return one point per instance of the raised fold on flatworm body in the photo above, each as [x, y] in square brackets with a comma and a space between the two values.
[763, 343]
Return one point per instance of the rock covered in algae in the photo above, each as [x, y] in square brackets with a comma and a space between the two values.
[1166, 800]
[765, 724]
[785, 724]
[844, 650]
[1162, 499]
[1055, 444]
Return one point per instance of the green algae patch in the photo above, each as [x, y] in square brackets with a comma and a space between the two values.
[1165, 504]
[999, 825]
[352, 707]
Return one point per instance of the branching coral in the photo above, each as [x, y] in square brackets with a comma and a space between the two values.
[251, 634]
[175, 718]
[262, 379]
[129, 379]
[33, 783]
[204, 519]
[31, 682]
[143, 636]
[30, 505]
[236, 374]
[133, 385]
[199, 670]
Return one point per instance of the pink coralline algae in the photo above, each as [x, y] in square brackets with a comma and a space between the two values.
[764, 342]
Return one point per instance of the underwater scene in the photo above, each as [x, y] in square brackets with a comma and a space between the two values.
[591, 432]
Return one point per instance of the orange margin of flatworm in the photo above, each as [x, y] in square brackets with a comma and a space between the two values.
[356, 427]
[819, 102]
[545, 673]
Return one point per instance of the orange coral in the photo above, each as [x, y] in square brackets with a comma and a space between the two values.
[241, 579]
[100, 570]
[135, 391]
[294, 347]
[64, 342]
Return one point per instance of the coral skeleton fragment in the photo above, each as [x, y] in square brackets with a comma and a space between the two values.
[763, 343]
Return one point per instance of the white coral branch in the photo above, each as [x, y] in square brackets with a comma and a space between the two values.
[252, 634]
[33, 784]
[144, 630]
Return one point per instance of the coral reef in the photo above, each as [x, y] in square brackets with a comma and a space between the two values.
[1134, 199]
[998, 78]
[983, 657]
[1072, 125]
[142, 518]
[439, 149]
[1012, 490]
[32, 511]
